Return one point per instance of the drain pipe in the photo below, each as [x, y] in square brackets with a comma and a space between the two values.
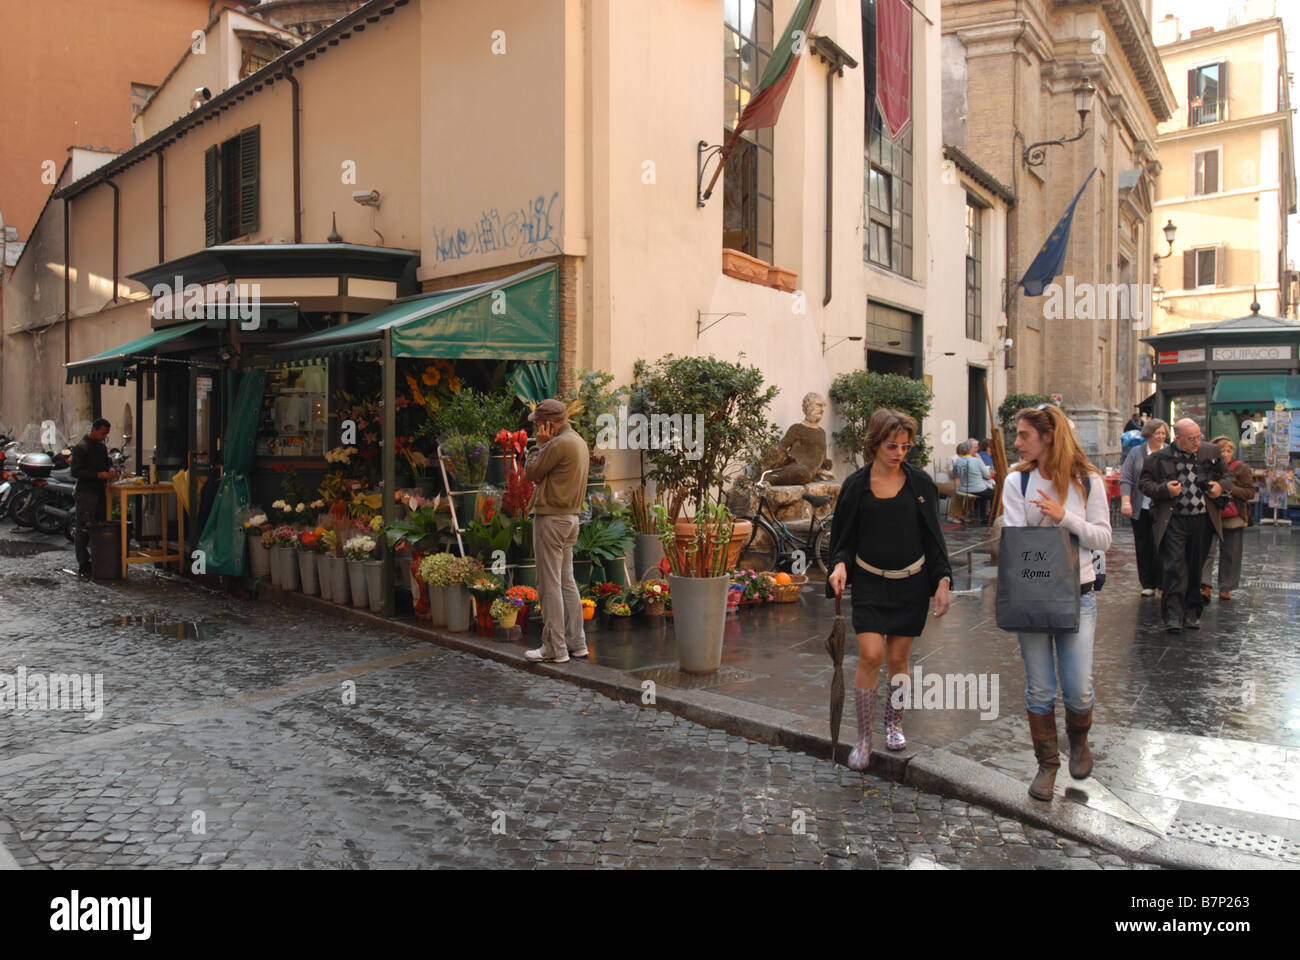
[67, 284]
[117, 201]
[297, 147]
[836, 59]
[162, 235]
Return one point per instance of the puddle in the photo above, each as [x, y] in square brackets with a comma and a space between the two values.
[29, 581]
[162, 627]
[25, 548]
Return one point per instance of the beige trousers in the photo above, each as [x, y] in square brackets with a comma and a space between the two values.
[553, 540]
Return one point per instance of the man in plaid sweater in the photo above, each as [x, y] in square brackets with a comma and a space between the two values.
[1184, 479]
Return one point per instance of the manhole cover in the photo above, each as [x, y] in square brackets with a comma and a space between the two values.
[670, 676]
[24, 548]
[1234, 838]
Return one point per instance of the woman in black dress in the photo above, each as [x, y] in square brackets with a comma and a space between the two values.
[886, 541]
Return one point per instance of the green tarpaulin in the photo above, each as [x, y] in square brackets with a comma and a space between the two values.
[516, 318]
[111, 365]
[222, 541]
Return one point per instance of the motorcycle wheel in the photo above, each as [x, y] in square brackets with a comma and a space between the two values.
[46, 522]
[20, 507]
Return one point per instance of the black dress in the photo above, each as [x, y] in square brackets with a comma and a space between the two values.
[889, 538]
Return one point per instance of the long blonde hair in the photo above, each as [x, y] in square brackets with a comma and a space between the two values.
[1066, 460]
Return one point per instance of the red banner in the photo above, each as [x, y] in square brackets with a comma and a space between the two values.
[894, 64]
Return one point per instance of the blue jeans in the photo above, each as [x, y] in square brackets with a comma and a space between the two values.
[1073, 650]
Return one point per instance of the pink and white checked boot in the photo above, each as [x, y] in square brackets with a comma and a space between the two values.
[860, 755]
[894, 739]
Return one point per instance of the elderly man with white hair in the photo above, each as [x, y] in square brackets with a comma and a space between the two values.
[1184, 480]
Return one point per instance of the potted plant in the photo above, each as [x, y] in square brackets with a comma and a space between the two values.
[527, 597]
[588, 608]
[619, 613]
[698, 586]
[340, 529]
[308, 542]
[722, 408]
[484, 589]
[604, 593]
[515, 498]
[755, 587]
[435, 571]
[602, 541]
[357, 550]
[463, 570]
[479, 415]
[259, 556]
[505, 611]
[648, 551]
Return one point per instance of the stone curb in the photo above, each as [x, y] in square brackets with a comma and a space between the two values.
[933, 770]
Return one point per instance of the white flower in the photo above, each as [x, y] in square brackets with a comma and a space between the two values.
[300, 508]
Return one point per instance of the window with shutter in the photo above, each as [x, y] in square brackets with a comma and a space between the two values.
[211, 195]
[1207, 94]
[249, 166]
[232, 187]
[1205, 164]
[1189, 269]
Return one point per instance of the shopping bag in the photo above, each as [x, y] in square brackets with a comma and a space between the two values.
[1038, 580]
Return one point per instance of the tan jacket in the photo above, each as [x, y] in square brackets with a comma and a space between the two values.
[559, 468]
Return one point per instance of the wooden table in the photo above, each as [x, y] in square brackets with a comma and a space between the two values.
[164, 490]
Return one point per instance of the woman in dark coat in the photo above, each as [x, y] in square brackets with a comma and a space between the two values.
[886, 541]
[1240, 486]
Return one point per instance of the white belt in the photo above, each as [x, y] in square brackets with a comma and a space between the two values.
[892, 574]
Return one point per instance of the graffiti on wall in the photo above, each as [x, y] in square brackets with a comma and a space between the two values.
[533, 230]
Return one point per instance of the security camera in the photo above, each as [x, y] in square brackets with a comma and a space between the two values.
[367, 198]
[201, 96]
[1008, 344]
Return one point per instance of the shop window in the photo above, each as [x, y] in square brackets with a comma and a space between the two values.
[231, 187]
[295, 413]
[1207, 94]
[889, 172]
[1205, 171]
[748, 182]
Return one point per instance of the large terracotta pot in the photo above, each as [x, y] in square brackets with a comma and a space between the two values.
[684, 532]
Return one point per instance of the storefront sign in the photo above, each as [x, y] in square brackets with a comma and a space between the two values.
[1278, 352]
[1181, 356]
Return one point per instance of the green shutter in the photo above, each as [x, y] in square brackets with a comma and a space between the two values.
[212, 195]
[248, 180]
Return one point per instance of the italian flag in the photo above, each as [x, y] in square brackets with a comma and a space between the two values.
[765, 107]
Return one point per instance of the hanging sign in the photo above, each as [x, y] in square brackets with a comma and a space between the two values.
[894, 64]
[1181, 356]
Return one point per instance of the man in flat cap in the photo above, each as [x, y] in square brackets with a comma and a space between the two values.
[558, 465]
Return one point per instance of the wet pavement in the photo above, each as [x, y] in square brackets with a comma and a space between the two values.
[240, 734]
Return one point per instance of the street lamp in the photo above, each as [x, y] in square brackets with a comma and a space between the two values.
[1036, 153]
[1170, 230]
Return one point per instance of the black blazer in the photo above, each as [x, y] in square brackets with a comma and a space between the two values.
[1161, 467]
[845, 523]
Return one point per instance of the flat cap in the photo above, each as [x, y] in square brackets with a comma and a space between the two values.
[548, 410]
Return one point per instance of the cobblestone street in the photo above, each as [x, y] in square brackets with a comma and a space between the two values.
[229, 739]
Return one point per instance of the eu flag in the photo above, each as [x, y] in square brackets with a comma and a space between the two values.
[1050, 261]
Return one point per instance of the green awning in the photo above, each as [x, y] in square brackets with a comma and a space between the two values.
[1260, 390]
[512, 319]
[113, 364]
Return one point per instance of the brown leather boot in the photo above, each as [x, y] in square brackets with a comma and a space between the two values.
[1077, 726]
[1042, 727]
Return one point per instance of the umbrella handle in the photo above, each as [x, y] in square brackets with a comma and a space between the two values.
[837, 604]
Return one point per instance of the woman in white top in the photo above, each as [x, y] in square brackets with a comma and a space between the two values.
[1066, 490]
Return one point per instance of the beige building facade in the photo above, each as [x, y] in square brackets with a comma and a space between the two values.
[360, 167]
[1014, 73]
[1228, 179]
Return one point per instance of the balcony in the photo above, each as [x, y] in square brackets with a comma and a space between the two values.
[1209, 111]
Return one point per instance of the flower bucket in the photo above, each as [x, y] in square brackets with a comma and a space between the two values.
[307, 573]
[357, 583]
[375, 584]
[340, 583]
[524, 612]
[259, 558]
[438, 606]
[288, 568]
[525, 573]
[323, 576]
[508, 620]
[277, 566]
[484, 617]
[700, 620]
[649, 550]
[456, 602]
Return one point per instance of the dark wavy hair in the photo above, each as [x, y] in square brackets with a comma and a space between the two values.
[883, 425]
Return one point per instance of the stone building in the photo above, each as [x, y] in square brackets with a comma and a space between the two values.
[1015, 72]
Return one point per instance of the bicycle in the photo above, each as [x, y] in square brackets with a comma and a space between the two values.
[772, 544]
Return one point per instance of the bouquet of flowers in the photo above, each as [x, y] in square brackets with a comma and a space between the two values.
[504, 606]
[312, 540]
[268, 536]
[616, 608]
[359, 548]
[435, 569]
[485, 588]
[284, 536]
[465, 570]
[282, 510]
[327, 541]
[467, 458]
[755, 587]
[527, 596]
[604, 592]
[654, 593]
[254, 524]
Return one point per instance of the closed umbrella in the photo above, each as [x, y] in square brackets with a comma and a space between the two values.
[835, 647]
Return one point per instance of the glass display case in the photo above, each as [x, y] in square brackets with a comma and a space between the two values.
[295, 413]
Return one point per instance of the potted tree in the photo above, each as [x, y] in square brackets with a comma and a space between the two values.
[722, 411]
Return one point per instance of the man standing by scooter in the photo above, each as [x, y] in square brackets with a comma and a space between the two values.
[92, 469]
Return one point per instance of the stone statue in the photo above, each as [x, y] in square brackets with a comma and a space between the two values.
[800, 457]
